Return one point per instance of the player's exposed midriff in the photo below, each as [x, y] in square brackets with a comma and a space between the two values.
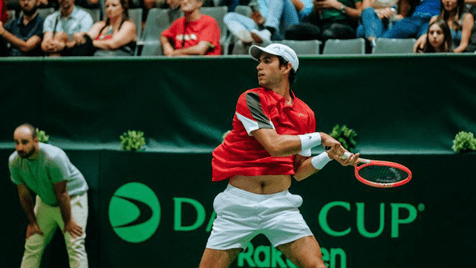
[266, 184]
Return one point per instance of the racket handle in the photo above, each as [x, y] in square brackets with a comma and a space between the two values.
[361, 160]
[347, 154]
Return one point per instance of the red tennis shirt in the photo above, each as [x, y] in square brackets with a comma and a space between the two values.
[241, 154]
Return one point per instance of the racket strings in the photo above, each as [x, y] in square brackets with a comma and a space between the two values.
[383, 174]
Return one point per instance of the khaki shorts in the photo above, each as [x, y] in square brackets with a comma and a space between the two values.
[242, 215]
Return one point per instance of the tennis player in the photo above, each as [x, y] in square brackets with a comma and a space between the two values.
[273, 133]
[61, 197]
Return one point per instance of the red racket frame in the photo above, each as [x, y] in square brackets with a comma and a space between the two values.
[385, 164]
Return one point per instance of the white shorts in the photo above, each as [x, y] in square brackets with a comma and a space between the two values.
[242, 215]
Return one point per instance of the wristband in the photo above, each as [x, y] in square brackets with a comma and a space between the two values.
[310, 140]
[306, 153]
[318, 162]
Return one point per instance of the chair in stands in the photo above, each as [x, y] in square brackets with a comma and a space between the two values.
[305, 47]
[393, 46]
[44, 12]
[135, 15]
[348, 46]
[95, 13]
[157, 21]
[218, 13]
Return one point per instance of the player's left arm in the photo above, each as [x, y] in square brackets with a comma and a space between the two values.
[306, 166]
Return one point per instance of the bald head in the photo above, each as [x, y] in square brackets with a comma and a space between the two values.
[25, 129]
[26, 141]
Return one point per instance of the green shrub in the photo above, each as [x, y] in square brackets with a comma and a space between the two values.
[42, 137]
[132, 140]
[346, 136]
[464, 142]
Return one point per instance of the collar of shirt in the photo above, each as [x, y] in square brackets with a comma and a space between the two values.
[20, 20]
[282, 99]
[71, 16]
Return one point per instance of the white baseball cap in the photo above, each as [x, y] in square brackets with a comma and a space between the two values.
[278, 50]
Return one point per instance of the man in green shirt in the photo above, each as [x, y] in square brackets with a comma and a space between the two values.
[61, 201]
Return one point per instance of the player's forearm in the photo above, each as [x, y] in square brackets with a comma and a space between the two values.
[285, 145]
[65, 206]
[27, 204]
[305, 170]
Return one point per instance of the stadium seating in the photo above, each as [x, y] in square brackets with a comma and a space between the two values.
[135, 15]
[350, 46]
[157, 21]
[44, 12]
[308, 47]
[95, 13]
[393, 46]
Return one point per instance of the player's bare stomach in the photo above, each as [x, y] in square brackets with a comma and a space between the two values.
[268, 184]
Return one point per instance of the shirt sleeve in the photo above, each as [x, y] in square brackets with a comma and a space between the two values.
[15, 178]
[58, 167]
[210, 33]
[85, 23]
[171, 32]
[252, 112]
[49, 23]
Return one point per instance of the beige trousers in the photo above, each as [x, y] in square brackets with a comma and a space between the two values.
[49, 219]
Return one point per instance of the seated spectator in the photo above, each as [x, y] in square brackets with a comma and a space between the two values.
[65, 28]
[330, 19]
[416, 24]
[24, 33]
[192, 34]
[378, 15]
[116, 35]
[268, 20]
[232, 4]
[438, 38]
[460, 22]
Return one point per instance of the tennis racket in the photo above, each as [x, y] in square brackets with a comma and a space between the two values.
[381, 174]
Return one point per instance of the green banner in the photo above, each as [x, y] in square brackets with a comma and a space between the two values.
[154, 208]
[406, 104]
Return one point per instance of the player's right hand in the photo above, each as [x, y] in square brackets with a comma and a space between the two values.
[32, 229]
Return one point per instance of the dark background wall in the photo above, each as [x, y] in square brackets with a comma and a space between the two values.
[405, 109]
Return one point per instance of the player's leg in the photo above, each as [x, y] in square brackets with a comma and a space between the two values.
[213, 258]
[304, 252]
[35, 244]
[78, 258]
[287, 230]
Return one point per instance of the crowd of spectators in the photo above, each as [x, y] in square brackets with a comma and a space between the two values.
[436, 25]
